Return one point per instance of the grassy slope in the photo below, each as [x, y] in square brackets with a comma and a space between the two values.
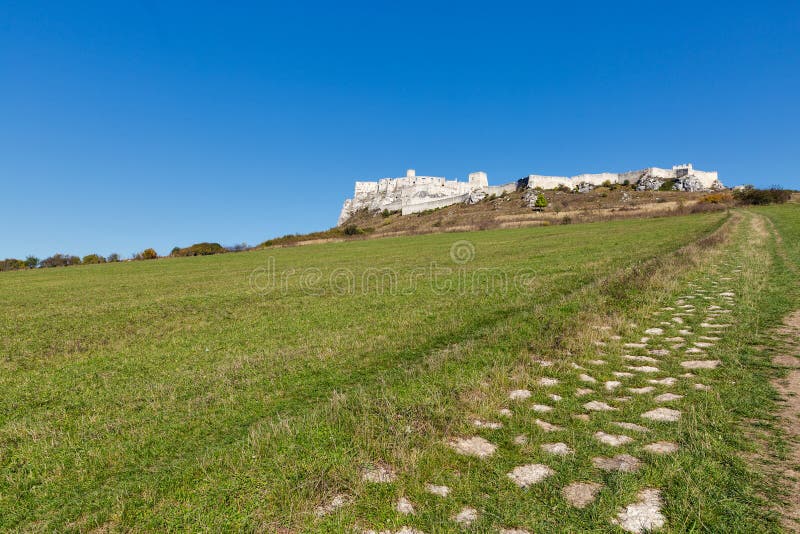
[170, 395]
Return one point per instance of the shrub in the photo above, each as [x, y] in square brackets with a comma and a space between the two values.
[113, 257]
[146, 254]
[12, 264]
[199, 249]
[668, 185]
[564, 189]
[760, 197]
[717, 198]
[566, 220]
[352, 229]
[93, 259]
[541, 201]
[31, 262]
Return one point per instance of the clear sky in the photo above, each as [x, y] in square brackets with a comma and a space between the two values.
[155, 124]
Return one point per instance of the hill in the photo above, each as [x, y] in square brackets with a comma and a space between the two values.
[340, 386]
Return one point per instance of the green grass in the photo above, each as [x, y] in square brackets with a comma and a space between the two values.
[173, 395]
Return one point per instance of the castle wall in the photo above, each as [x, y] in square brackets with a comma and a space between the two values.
[434, 204]
[500, 189]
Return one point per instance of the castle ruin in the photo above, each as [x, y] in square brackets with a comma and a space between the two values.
[413, 194]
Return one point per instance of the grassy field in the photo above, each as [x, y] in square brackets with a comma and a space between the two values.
[244, 391]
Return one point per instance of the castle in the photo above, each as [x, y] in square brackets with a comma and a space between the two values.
[412, 193]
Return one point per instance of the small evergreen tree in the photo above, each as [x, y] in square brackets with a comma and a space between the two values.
[541, 202]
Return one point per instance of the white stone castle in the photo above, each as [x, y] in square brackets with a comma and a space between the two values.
[412, 193]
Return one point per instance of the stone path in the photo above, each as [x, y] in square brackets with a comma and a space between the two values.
[663, 365]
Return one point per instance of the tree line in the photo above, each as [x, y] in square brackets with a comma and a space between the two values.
[67, 260]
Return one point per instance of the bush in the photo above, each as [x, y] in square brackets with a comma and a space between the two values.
[31, 262]
[146, 254]
[12, 264]
[352, 229]
[113, 258]
[566, 220]
[717, 198]
[668, 185]
[760, 197]
[199, 249]
[541, 201]
[93, 259]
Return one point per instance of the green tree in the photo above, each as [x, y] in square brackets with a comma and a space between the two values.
[541, 201]
[31, 262]
[93, 259]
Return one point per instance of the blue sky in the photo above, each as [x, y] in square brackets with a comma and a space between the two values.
[131, 125]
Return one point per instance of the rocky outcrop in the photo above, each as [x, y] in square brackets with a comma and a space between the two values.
[649, 183]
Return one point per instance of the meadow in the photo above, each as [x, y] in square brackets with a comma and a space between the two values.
[309, 388]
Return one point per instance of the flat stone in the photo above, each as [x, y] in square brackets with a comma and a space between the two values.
[639, 358]
[611, 385]
[702, 387]
[668, 381]
[654, 331]
[661, 447]
[546, 381]
[644, 515]
[541, 408]
[554, 397]
[505, 412]
[667, 397]
[547, 427]
[474, 446]
[527, 475]
[643, 368]
[521, 439]
[586, 378]
[466, 516]
[560, 449]
[441, 491]
[622, 374]
[404, 506]
[659, 352]
[635, 345]
[662, 414]
[621, 462]
[700, 364]
[641, 391]
[598, 406]
[519, 394]
[631, 426]
[614, 440]
[491, 425]
[581, 494]
[379, 474]
[580, 392]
